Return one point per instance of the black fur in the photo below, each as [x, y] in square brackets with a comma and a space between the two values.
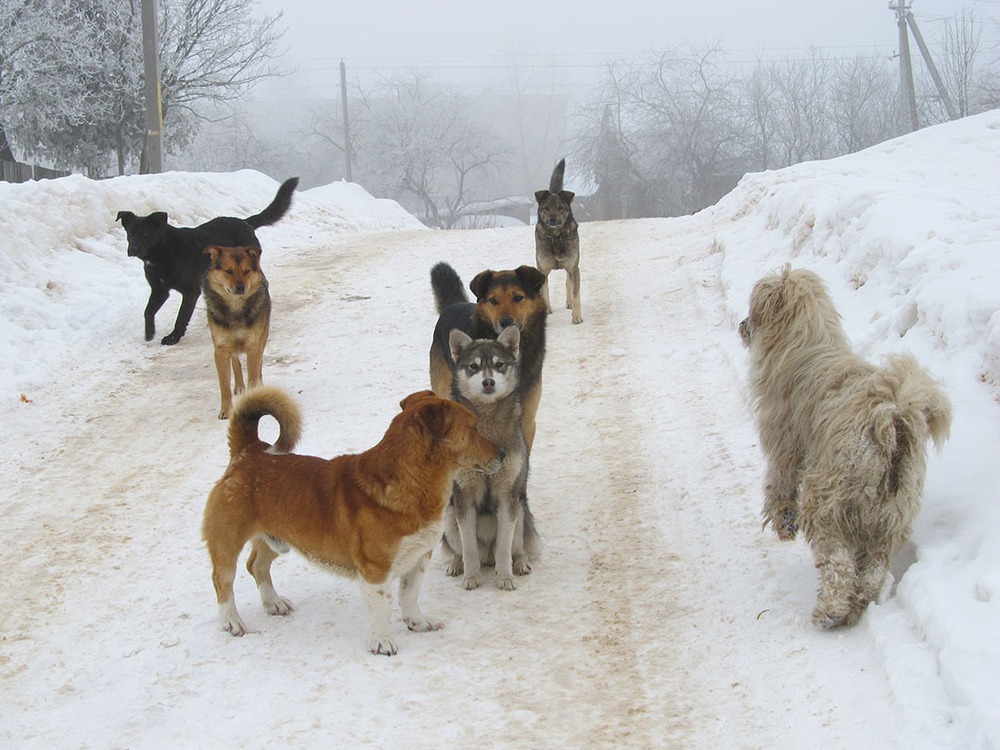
[174, 257]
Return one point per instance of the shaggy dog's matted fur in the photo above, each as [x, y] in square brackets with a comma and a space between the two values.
[845, 441]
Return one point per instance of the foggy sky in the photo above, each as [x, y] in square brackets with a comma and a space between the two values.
[477, 41]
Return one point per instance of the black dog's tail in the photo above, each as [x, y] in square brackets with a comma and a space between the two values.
[555, 184]
[281, 203]
[447, 286]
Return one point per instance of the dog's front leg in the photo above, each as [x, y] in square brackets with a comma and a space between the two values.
[467, 517]
[573, 294]
[507, 511]
[157, 296]
[409, 594]
[378, 597]
[188, 302]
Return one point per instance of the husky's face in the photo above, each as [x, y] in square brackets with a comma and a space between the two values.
[486, 370]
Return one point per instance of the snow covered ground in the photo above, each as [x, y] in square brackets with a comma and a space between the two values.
[660, 616]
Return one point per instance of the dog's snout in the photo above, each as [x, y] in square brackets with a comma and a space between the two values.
[506, 321]
[239, 289]
[489, 384]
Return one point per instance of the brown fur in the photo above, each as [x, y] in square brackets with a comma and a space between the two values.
[557, 240]
[239, 316]
[844, 440]
[503, 298]
[375, 515]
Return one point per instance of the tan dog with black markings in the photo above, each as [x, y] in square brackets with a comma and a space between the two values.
[375, 515]
[239, 316]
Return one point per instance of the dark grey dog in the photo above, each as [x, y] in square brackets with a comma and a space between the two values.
[557, 240]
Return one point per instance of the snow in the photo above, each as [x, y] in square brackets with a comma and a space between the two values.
[660, 615]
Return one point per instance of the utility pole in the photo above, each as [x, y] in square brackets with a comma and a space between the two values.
[908, 115]
[942, 92]
[153, 144]
[347, 126]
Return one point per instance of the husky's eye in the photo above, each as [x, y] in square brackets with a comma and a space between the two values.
[499, 365]
[472, 367]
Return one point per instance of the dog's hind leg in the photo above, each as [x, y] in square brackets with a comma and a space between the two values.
[409, 594]
[224, 558]
[238, 384]
[262, 554]
[837, 603]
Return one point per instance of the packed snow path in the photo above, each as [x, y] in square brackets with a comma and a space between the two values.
[659, 616]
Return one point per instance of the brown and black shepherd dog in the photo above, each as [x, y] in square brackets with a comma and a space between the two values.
[503, 298]
[239, 316]
[374, 516]
[557, 240]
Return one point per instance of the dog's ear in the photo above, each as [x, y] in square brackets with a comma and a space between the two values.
[480, 283]
[458, 342]
[158, 217]
[254, 253]
[567, 195]
[510, 338]
[126, 218]
[541, 195]
[532, 278]
[435, 417]
[414, 398]
[215, 252]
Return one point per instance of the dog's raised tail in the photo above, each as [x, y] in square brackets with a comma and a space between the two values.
[256, 403]
[556, 183]
[279, 206]
[447, 286]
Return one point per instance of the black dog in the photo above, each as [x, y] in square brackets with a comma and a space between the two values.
[174, 257]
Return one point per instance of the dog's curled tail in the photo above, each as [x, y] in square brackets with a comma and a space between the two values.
[556, 183]
[447, 286]
[256, 403]
[279, 206]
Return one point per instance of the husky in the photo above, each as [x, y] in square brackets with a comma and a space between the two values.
[557, 240]
[488, 520]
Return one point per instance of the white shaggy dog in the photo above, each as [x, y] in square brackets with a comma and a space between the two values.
[844, 440]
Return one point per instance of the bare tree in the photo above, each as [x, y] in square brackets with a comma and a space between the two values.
[422, 145]
[960, 53]
[864, 94]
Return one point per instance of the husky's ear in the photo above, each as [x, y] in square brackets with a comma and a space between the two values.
[458, 342]
[510, 338]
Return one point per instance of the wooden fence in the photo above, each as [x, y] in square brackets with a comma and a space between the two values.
[15, 171]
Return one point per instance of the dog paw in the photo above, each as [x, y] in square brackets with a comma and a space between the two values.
[453, 568]
[224, 412]
[471, 582]
[170, 339]
[577, 318]
[522, 567]
[423, 624]
[232, 623]
[382, 645]
[506, 583]
[278, 605]
[788, 527]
